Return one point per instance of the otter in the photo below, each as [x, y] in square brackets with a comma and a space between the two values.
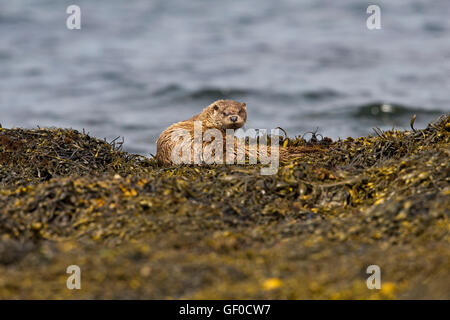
[220, 115]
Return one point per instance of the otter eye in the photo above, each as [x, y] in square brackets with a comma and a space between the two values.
[224, 113]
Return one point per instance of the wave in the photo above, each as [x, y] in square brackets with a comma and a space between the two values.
[214, 93]
[374, 111]
[393, 110]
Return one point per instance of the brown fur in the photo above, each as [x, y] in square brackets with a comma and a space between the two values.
[217, 115]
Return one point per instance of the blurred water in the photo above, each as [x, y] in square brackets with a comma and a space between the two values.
[137, 66]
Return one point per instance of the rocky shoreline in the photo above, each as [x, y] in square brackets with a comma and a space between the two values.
[138, 230]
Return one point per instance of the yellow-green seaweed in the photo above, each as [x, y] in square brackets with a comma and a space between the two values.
[142, 231]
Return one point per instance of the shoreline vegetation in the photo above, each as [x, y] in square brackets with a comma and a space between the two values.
[141, 231]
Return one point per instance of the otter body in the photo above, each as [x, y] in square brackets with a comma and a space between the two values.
[220, 115]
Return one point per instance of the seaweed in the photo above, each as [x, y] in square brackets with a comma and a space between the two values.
[138, 230]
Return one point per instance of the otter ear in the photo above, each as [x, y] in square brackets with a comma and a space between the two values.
[216, 107]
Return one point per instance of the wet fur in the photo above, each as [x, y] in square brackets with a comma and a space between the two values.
[215, 116]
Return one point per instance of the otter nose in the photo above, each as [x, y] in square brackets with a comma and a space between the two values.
[233, 118]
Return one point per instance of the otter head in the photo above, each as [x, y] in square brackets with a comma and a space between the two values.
[227, 114]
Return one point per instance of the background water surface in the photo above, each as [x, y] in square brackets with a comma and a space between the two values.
[137, 66]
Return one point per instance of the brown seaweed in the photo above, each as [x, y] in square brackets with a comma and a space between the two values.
[138, 230]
